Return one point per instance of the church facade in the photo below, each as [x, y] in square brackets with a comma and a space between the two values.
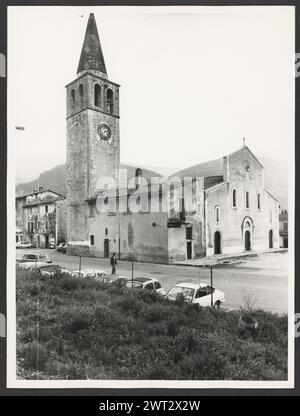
[223, 211]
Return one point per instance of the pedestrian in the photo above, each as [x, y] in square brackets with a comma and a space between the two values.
[113, 262]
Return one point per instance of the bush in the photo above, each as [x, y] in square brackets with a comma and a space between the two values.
[69, 284]
[93, 331]
[79, 324]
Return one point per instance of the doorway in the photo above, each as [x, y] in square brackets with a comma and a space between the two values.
[47, 241]
[189, 250]
[106, 248]
[217, 243]
[247, 240]
[271, 239]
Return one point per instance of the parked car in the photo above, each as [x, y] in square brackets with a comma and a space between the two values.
[52, 244]
[48, 270]
[146, 283]
[35, 257]
[199, 293]
[31, 265]
[89, 273]
[24, 244]
[112, 278]
[62, 247]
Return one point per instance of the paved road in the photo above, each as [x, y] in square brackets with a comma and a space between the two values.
[265, 278]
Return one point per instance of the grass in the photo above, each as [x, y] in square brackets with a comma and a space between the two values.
[83, 329]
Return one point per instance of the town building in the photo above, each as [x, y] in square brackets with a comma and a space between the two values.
[36, 217]
[228, 210]
[283, 228]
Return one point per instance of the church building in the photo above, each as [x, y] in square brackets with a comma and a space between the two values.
[228, 209]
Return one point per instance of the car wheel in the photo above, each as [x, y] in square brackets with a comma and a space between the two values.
[217, 305]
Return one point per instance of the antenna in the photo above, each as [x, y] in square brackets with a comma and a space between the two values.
[244, 142]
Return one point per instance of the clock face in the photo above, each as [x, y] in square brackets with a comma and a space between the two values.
[104, 131]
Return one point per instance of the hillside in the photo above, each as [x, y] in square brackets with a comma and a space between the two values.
[276, 180]
[55, 179]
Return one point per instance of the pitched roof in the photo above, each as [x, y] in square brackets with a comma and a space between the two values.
[91, 57]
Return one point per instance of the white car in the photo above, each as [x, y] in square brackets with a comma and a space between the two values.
[23, 244]
[89, 273]
[199, 293]
[146, 283]
[48, 270]
[39, 257]
[31, 265]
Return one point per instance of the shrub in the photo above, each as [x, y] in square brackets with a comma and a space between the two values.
[130, 303]
[69, 284]
[33, 356]
[79, 324]
[158, 372]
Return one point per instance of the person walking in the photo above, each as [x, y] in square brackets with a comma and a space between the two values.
[113, 263]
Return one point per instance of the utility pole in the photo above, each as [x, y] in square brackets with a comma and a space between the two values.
[132, 273]
[211, 284]
[79, 265]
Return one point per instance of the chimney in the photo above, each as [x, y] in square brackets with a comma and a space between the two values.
[41, 188]
[138, 176]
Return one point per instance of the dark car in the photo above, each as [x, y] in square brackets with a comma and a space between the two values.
[62, 247]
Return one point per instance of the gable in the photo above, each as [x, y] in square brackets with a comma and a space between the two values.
[243, 165]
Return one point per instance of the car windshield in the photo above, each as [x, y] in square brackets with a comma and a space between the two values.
[138, 285]
[187, 292]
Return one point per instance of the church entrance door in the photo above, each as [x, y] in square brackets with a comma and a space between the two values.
[247, 240]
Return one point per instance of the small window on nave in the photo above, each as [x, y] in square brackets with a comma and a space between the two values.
[234, 204]
[258, 201]
[247, 204]
[217, 214]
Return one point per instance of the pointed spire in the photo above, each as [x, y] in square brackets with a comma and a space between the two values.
[91, 57]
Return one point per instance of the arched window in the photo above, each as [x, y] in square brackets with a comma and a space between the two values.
[258, 201]
[97, 95]
[73, 97]
[247, 199]
[80, 92]
[217, 214]
[234, 204]
[110, 101]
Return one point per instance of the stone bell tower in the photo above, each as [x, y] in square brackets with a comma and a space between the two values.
[93, 141]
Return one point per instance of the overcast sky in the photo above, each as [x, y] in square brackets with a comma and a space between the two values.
[194, 81]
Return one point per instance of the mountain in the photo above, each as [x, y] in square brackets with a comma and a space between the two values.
[55, 179]
[276, 175]
[276, 180]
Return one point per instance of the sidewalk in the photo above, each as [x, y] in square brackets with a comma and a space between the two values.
[218, 259]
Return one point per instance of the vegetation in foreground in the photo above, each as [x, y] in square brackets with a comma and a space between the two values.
[83, 329]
